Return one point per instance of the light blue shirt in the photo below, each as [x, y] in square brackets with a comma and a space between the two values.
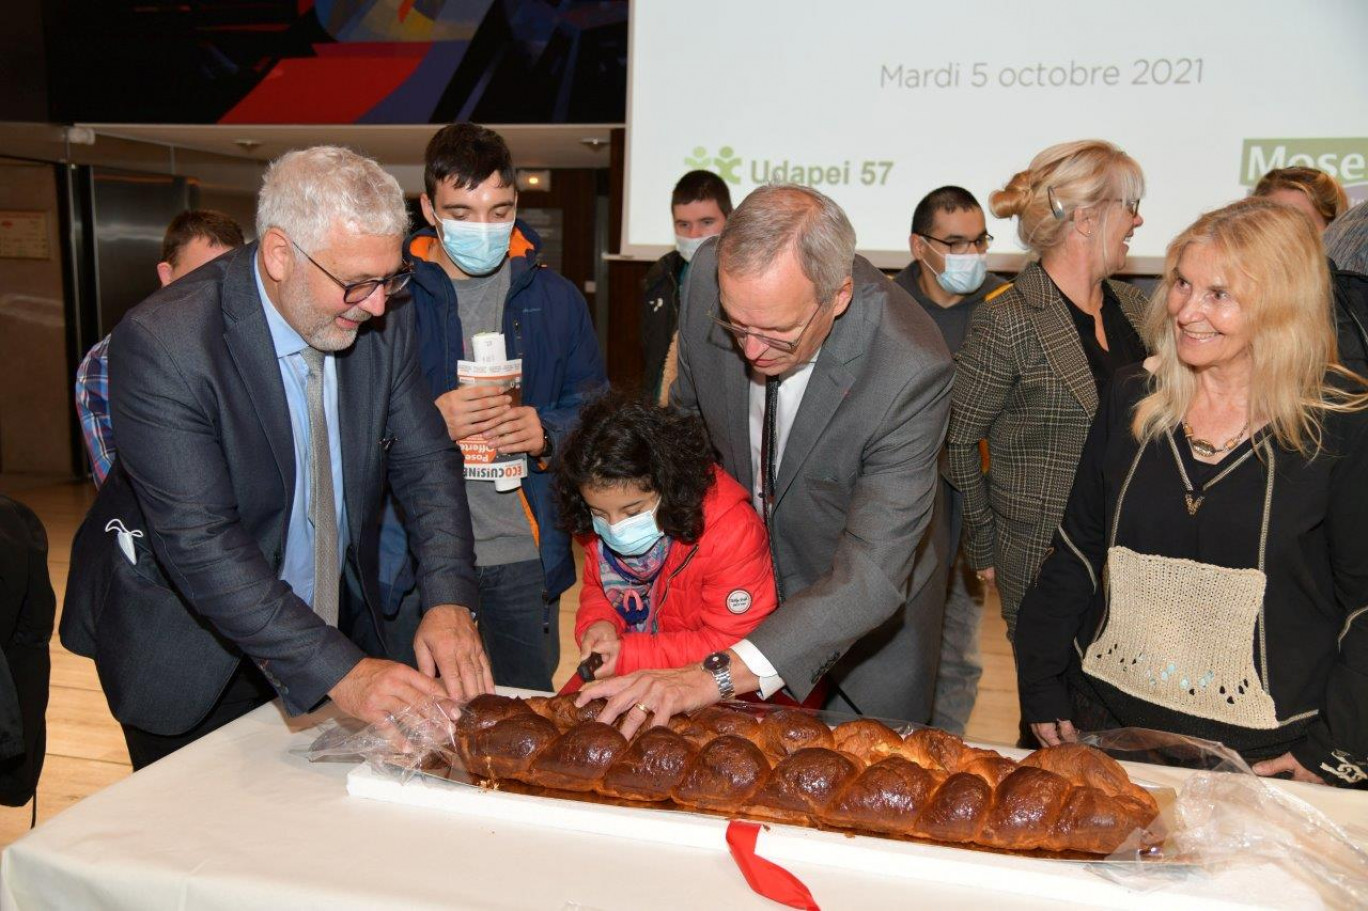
[297, 570]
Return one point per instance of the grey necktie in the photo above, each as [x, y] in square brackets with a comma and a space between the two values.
[322, 509]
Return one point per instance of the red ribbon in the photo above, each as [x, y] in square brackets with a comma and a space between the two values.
[765, 878]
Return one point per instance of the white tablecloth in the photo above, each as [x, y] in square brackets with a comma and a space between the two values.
[237, 821]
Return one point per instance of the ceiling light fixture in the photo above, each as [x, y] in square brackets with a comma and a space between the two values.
[529, 179]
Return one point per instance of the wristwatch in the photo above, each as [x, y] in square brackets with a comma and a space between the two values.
[547, 446]
[719, 665]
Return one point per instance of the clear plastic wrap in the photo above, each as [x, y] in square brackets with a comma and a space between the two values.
[1223, 814]
[417, 739]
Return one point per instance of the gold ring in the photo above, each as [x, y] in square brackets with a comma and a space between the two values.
[646, 709]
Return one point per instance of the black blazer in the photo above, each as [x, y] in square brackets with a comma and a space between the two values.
[206, 473]
[27, 606]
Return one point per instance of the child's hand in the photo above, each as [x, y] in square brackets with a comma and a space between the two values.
[602, 637]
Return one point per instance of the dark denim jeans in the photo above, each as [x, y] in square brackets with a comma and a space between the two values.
[519, 624]
[961, 665]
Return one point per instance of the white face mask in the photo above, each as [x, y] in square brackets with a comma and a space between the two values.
[688, 246]
[632, 536]
[477, 248]
[964, 272]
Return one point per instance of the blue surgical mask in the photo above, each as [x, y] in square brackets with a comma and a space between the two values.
[964, 272]
[476, 247]
[633, 536]
[688, 246]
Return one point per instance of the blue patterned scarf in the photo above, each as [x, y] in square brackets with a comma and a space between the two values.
[629, 581]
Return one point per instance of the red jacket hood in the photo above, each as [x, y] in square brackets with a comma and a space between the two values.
[725, 494]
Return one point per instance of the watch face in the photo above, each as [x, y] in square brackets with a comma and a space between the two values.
[717, 661]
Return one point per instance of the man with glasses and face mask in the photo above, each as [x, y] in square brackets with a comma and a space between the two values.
[948, 274]
[949, 277]
[825, 391]
[263, 404]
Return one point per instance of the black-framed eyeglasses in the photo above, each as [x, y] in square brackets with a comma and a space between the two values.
[958, 247]
[356, 292]
[1130, 205]
[778, 344]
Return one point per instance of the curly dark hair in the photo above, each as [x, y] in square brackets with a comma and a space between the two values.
[621, 439]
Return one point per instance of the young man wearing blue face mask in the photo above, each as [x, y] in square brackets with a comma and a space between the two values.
[476, 270]
[948, 277]
[699, 207]
[948, 274]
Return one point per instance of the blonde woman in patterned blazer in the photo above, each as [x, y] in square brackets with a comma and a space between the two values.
[1029, 375]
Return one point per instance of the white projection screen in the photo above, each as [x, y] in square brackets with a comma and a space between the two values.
[877, 102]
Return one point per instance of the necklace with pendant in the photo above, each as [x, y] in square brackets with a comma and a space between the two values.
[1206, 449]
[1191, 498]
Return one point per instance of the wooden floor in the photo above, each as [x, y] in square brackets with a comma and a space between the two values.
[86, 748]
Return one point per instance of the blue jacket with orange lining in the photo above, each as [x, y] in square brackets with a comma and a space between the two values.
[546, 323]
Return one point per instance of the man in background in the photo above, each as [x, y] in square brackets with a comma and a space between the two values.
[477, 269]
[193, 238]
[699, 207]
[949, 277]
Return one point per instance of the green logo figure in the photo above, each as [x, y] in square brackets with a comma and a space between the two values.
[724, 164]
[727, 162]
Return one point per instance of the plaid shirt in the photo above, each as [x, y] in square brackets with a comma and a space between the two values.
[92, 404]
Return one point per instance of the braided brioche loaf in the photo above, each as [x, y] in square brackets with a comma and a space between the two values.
[790, 767]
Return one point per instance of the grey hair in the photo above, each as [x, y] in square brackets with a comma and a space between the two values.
[307, 192]
[1346, 240]
[779, 217]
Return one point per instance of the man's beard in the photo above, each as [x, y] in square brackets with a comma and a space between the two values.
[322, 331]
[329, 336]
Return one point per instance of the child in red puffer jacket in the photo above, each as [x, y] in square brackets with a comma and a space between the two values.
[677, 562]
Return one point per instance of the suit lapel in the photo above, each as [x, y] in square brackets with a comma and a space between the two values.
[736, 396]
[1058, 335]
[832, 377]
[248, 339]
[358, 382]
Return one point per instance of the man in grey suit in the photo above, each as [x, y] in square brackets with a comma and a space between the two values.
[262, 405]
[825, 391]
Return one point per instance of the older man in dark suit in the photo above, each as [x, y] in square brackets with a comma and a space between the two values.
[262, 405]
[825, 391]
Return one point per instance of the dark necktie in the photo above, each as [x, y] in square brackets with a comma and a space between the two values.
[769, 447]
[322, 509]
[769, 473]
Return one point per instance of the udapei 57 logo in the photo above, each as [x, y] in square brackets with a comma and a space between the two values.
[821, 174]
[1345, 159]
[725, 164]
